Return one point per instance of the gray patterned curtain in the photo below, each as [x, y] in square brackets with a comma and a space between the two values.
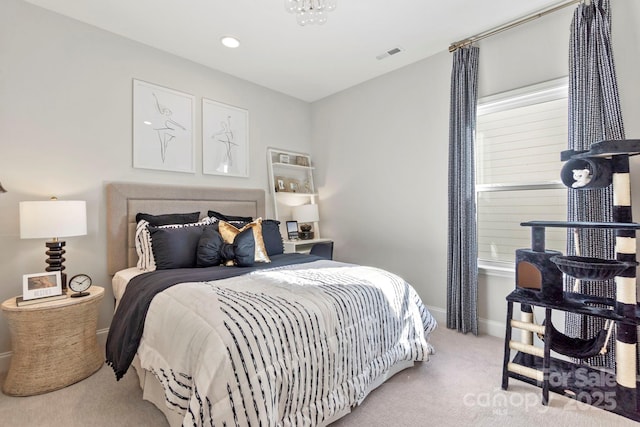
[594, 115]
[462, 273]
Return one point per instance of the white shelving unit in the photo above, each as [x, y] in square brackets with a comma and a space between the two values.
[291, 184]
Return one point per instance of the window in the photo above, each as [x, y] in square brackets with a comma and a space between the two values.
[519, 137]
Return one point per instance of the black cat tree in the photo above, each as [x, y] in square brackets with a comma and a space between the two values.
[539, 283]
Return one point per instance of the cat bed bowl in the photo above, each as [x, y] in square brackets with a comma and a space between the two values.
[591, 268]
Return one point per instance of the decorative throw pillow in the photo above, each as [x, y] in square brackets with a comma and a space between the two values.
[168, 219]
[212, 250]
[143, 247]
[146, 261]
[229, 232]
[175, 247]
[270, 234]
[272, 237]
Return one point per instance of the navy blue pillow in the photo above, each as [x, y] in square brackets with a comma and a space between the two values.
[175, 247]
[272, 237]
[167, 219]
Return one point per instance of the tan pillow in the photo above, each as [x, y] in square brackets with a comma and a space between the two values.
[229, 232]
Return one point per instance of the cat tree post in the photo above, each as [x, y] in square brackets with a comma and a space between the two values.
[626, 295]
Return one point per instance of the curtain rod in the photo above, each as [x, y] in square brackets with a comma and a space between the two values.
[512, 24]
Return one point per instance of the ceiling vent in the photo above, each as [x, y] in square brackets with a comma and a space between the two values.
[390, 52]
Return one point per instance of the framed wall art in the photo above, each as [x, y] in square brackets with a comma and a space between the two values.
[40, 285]
[225, 139]
[163, 128]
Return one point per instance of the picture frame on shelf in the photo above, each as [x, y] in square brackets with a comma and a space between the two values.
[225, 139]
[302, 161]
[292, 230]
[163, 128]
[41, 285]
[284, 158]
[293, 185]
[280, 184]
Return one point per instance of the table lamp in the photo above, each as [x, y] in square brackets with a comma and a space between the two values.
[53, 219]
[306, 214]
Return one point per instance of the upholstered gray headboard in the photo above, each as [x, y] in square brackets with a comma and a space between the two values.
[125, 200]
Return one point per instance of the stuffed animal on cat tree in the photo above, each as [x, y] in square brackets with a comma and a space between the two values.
[582, 177]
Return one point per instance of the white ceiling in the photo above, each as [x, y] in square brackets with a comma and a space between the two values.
[309, 62]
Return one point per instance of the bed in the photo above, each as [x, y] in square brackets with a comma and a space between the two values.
[297, 341]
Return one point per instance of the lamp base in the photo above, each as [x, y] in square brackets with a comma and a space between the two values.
[56, 260]
[305, 235]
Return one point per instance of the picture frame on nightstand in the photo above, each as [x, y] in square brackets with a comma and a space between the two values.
[41, 285]
[292, 230]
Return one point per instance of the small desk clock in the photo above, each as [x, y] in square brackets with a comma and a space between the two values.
[79, 284]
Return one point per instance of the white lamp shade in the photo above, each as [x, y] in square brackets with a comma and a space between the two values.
[52, 219]
[306, 213]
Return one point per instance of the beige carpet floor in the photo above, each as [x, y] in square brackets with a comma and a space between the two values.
[459, 386]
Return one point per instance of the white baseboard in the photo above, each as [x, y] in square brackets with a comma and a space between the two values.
[440, 315]
[491, 327]
[102, 337]
[5, 358]
[485, 326]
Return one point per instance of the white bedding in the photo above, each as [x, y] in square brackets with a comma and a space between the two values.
[121, 279]
[287, 347]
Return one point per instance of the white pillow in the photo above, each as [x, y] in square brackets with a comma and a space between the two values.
[146, 262]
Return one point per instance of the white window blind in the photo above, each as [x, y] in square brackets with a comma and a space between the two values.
[519, 137]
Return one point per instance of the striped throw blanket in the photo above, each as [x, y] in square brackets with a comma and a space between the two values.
[292, 346]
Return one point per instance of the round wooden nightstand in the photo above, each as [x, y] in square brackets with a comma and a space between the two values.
[54, 343]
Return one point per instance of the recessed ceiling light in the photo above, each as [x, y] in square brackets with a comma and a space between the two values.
[230, 42]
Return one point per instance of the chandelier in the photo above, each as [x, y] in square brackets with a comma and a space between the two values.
[310, 12]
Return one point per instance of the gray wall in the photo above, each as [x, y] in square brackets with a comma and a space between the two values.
[383, 148]
[65, 123]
